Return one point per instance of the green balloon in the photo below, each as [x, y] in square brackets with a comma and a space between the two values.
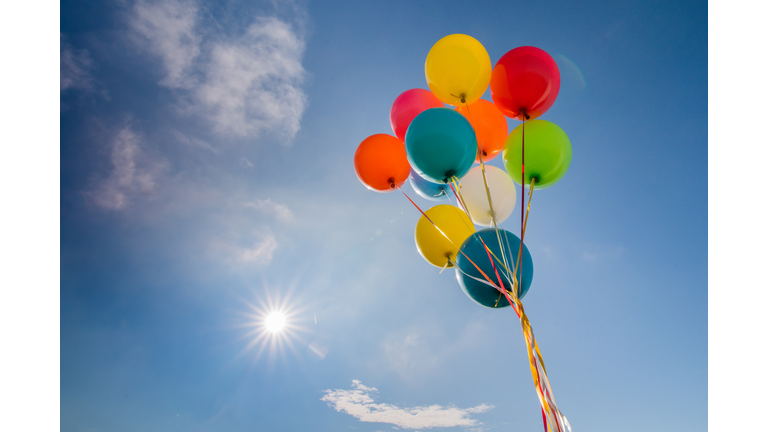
[547, 153]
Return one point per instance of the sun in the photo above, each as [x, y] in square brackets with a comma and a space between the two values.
[275, 322]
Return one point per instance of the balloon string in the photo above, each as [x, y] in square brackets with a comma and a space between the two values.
[486, 283]
[493, 220]
[456, 188]
[543, 388]
[462, 205]
[524, 227]
[488, 251]
[446, 237]
[522, 199]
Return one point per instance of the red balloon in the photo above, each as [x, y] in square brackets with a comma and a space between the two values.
[381, 163]
[407, 106]
[525, 80]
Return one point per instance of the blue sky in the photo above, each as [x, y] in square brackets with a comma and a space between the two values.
[206, 175]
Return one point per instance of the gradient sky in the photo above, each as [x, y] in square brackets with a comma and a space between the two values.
[206, 176]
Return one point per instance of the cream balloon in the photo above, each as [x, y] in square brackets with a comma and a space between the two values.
[503, 195]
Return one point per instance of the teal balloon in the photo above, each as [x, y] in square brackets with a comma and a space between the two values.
[427, 189]
[481, 293]
[440, 143]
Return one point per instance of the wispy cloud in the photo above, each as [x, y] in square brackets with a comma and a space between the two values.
[132, 172]
[359, 404]
[192, 141]
[281, 212]
[168, 30]
[261, 252]
[75, 67]
[243, 85]
[245, 162]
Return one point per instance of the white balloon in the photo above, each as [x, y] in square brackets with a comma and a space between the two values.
[503, 195]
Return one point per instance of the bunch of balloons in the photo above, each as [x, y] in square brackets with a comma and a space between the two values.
[443, 151]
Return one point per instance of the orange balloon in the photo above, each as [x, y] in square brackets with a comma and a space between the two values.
[490, 127]
[381, 163]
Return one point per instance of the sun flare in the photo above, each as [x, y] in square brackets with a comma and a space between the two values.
[275, 324]
[275, 321]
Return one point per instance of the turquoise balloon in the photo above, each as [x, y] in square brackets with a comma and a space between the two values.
[440, 143]
[427, 189]
[481, 293]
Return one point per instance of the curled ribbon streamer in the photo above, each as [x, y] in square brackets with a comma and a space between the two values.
[538, 371]
[543, 389]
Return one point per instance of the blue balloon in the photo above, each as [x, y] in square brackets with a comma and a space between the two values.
[481, 293]
[440, 143]
[427, 189]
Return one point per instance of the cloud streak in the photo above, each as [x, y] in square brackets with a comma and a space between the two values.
[133, 173]
[359, 404]
[279, 211]
[261, 252]
[74, 67]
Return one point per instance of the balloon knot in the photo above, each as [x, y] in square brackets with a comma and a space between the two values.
[391, 183]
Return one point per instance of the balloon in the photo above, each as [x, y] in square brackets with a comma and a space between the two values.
[429, 190]
[381, 163]
[440, 143]
[490, 127]
[503, 194]
[458, 69]
[547, 153]
[408, 105]
[525, 79]
[433, 245]
[481, 293]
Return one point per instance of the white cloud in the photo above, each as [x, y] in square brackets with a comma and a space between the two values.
[243, 85]
[359, 404]
[254, 83]
[279, 211]
[133, 172]
[245, 162]
[261, 252]
[192, 141]
[167, 29]
[74, 68]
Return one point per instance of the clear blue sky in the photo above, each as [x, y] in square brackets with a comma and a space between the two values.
[206, 169]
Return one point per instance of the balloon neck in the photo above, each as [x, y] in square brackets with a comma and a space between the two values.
[523, 115]
[392, 184]
[448, 176]
[463, 98]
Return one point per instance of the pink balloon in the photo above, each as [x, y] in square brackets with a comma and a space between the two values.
[407, 106]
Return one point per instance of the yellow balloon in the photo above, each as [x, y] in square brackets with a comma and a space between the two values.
[433, 245]
[458, 69]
